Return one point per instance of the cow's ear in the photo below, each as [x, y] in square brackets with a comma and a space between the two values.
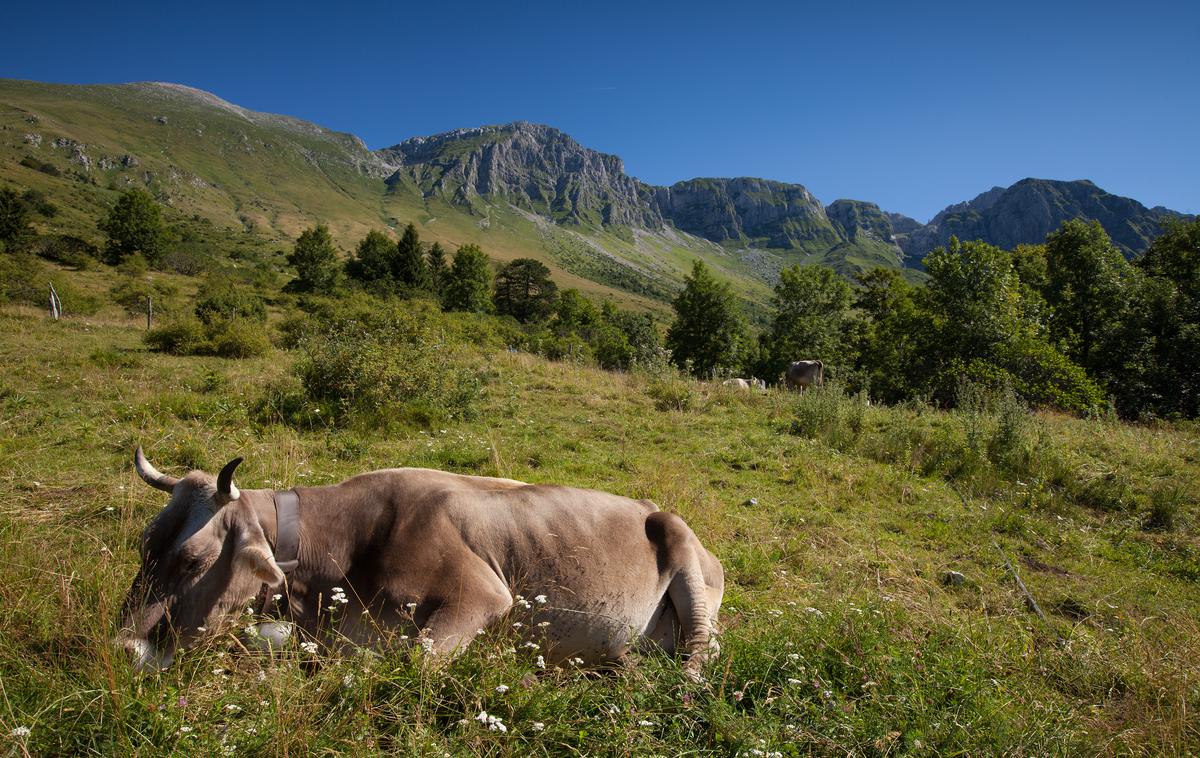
[260, 561]
[253, 552]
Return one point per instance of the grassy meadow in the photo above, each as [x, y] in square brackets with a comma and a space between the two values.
[836, 522]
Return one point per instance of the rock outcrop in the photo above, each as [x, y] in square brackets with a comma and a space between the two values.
[532, 166]
[1032, 208]
[763, 212]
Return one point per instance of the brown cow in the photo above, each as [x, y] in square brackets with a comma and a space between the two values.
[804, 374]
[431, 554]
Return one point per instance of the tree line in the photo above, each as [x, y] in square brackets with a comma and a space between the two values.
[1068, 324]
[557, 324]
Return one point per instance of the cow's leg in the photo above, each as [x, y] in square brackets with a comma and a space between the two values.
[476, 601]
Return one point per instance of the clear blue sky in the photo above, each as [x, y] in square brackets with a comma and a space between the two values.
[913, 106]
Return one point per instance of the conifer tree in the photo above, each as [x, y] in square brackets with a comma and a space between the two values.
[469, 282]
[409, 267]
[708, 334]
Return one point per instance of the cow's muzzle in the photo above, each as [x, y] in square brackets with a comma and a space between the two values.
[146, 656]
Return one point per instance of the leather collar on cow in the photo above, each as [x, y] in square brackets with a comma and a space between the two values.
[287, 530]
[287, 541]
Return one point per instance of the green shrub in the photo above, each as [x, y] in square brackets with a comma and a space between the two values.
[671, 393]
[183, 335]
[237, 338]
[221, 300]
[23, 280]
[396, 364]
[284, 401]
[67, 250]
[828, 414]
[131, 294]
[1046, 378]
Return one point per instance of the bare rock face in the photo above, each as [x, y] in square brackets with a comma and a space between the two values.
[1032, 208]
[855, 218]
[773, 214]
[535, 167]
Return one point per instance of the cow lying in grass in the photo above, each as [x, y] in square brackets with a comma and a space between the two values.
[429, 554]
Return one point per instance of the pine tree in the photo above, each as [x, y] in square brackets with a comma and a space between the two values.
[708, 334]
[437, 267]
[469, 282]
[373, 260]
[409, 267]
[525, 291]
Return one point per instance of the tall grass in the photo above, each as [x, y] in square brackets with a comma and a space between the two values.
[834, 520]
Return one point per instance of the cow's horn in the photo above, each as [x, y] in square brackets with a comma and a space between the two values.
[151, 475]
[227, 491]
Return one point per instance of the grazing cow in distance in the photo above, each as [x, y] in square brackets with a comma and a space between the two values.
[804, 374]
[433, 555]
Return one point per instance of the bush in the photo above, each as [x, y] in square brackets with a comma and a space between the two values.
[395, 364]
[671, 393]
[226, 338]
[66, 249]
[827, 413]
[23, 280]
[237, 338]
[131, 294]
[182, 335]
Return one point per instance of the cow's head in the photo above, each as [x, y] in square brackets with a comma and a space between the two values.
[203, 555]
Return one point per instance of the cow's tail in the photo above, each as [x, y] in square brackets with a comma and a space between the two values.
[696, 595]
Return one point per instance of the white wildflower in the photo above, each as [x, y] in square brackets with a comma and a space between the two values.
[20, 731]
[543, 624]
[793, 656]
[644, 722]
[794, 681]
[184, 729]
[540, 599]
[538, 726]
[233, 707]
[502, 689]
[277, 597]
[541, 662]
[309, 647]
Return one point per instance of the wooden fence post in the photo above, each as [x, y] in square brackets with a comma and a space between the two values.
[55, 303]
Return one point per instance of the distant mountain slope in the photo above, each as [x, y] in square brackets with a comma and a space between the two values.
[518, 190]
[540, 169]
[1032, 208]
[271, 176]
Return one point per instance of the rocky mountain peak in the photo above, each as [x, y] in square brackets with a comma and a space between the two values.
[533, 166]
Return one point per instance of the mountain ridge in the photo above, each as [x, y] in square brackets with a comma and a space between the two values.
[518, 189]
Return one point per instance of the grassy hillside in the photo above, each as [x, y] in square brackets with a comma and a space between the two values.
[265, 178]
[836, 523]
